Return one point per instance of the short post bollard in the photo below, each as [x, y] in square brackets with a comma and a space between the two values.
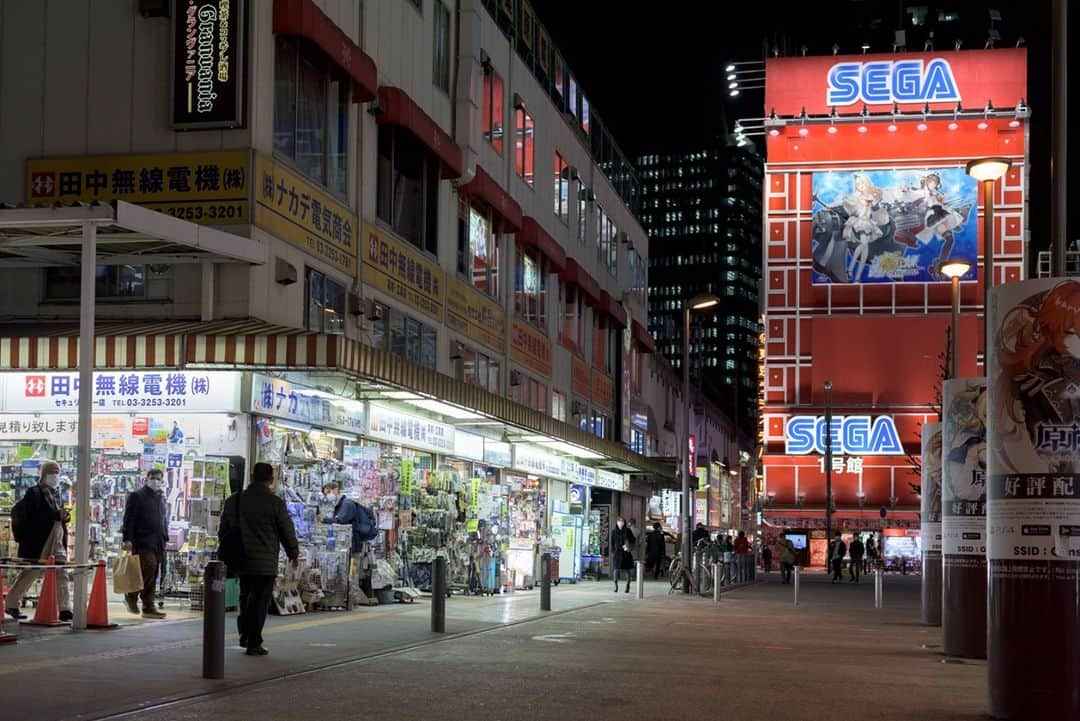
[214, 620]
[879, 588]
[639, 580]
[716, 582]
[438, 595]
[796, 585]
[545, 582]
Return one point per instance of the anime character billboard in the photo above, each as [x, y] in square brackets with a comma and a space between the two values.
[963, 466]
[893, 226]
[930, 494]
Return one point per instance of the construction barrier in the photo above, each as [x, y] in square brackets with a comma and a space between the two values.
[97, 611]
[47, 612]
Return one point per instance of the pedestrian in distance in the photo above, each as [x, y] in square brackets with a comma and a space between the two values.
[146, 530]
[743, 557]
[856, 551]
[700, 533]
[622, 552]
[39, 525]
[785, 551]
[727, 554]
[654, 550]
[836, 559]
[639, 544]
[871, 554]
[265, 525]
[766, 559]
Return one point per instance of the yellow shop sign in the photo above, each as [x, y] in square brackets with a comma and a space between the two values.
[470, 312]
[396, 269]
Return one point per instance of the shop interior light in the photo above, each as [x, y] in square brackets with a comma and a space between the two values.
[289, 425]
[342, 436]
[571, 449]
[444, 409]
[988, 168]
[401, 395]
[955, 269]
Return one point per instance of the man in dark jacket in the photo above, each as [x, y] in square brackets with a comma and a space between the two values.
[264, 526]
[40, 525]
[700, 533]
[856, 550]
[654, 550]
[836, 558]
[146, 529]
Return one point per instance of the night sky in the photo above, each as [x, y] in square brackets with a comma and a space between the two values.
[649, 74]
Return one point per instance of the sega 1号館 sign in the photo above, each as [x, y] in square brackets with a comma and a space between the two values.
[845, 435]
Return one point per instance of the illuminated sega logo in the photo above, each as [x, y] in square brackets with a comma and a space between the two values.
[851, 435]
[892, 81]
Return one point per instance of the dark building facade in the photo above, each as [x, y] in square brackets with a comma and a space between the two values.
[702, 211]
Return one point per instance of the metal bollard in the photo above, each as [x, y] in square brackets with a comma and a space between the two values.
[879, 588]
[438, 595]
[796, 585]
[545, 582]
[639, 586]
[716, 582]
[213, 664]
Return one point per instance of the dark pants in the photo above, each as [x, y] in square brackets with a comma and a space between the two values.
[256, 592]
[655, 565]
[838, 569]
[855, 569]
[768, 564]
[786, 569]
[150, 563]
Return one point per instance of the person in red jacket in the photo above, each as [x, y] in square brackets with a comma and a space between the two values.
[743, 557]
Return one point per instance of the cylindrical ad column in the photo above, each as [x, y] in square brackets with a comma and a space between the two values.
[1034, 500]
[963, 518]
[930, 526]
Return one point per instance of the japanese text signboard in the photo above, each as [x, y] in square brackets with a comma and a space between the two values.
[299, 213]
[210, 188]
[208, 63]
[387, 424]
[58, 430]
[129, 391]
[474, 314]
[603, 390]
[580, 379]
[963, 468]
[530, 348]
[279, 398]
[395, 268]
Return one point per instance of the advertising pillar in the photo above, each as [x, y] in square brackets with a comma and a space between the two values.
[930, 517]
[963, 518]
[1034, 500]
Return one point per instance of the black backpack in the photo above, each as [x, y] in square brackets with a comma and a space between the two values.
[367, 526]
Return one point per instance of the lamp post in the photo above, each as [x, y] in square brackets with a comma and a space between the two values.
[697, 303]
[828, 471]
[955, 269]
[987, 171]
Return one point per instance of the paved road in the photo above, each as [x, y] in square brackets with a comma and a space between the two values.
[754, 655]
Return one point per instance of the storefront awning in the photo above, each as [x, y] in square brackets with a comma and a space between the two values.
[532, 235]
[575, 274]
[486, 188]
[641, 335]
[303, 18]
[397, 108]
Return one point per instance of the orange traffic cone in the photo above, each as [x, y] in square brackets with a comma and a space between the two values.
[5, 637]
[47, 612]
[97, 612]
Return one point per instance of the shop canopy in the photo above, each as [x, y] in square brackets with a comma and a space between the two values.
[486, 188]
[397, 108]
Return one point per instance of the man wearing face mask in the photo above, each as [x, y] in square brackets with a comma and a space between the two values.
[40, 525]
[146, 530]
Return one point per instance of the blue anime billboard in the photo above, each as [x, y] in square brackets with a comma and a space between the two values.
[893, 226]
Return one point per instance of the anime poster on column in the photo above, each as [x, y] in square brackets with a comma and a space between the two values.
[1035, 421]
[963, 466]
[893, 226]
[930, 493]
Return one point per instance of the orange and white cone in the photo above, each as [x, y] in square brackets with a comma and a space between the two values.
[47, 612]
[5, 637]
[97, 612]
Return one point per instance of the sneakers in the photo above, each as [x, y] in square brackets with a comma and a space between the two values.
[132, 606]
[257, 651]
[152, 614]
[16, 614]
[66, 616]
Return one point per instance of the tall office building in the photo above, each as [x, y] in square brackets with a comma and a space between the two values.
[702, 211]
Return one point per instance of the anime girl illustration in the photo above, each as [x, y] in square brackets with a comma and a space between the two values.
[932, 483]
[966, 456]
[865, 221]
[939, 218]
[1038, 380]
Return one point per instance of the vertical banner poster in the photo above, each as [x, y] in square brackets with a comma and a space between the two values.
[963, 464]
[930, 509]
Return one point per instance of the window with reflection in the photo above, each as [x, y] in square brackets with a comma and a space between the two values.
[562, 189]
[478, 250]
[525, 150]
[530, 285]
[492, 112]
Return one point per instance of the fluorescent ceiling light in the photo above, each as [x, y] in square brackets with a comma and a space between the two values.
[445, 409]
[401, 395]
[570, 449]
[292, 426]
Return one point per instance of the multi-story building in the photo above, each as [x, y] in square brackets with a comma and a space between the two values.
[406, 204]
[702, 212]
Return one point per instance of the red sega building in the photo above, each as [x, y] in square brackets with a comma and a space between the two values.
[866, 198]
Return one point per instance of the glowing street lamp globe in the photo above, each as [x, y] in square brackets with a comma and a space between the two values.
[983, 169]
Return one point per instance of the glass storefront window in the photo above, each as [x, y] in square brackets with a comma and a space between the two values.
[478, 248]
[493, 101]
[525, 149]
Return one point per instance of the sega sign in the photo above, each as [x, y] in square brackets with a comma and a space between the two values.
[892, 81]
[850, 435]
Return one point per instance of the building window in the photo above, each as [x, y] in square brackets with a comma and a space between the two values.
[408, 187]
[311, 113]
[562, 189]
[404, 336]
[113, 282]
[530, 285]
[525, 150]
[529, 392]
[601, 424]
[571, 314]
[601, 236]
[582, 211]
[494, 129]
[442, 47]
[637, 441]
[479, 370]
[609, 248]
[478, 249]
[326, 304]
[572, 100]
[558, 405]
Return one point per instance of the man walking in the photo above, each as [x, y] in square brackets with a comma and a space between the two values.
[39, 525]
[146, 529]
[264, 526]
[743, 561]
[836, 557]
[785, 550]
[856, 550]
[654, 550]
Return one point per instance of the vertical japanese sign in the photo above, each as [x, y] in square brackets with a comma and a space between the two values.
[299, 213]
[401, 271]
[963, 465]
[208, 64]
[931, 488]
[209, 188]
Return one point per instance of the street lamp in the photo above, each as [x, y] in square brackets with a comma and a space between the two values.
[955, 269]
[700, 302]
[987, 171]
